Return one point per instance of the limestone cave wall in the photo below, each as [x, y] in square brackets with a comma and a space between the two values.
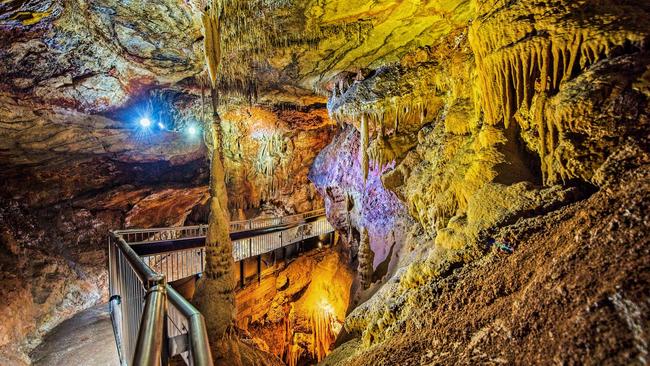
[483, 161]
[465, 125]
[76, 77]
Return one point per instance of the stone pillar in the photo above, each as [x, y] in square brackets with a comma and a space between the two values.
[366, 258]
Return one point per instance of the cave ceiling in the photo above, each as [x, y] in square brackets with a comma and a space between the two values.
[67, 66]
[76, 75]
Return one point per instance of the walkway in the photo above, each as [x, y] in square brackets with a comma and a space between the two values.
[179, 252]
[142, 263]
[85, 339]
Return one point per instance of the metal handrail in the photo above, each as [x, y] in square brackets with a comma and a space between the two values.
[146, 274]
[198, 334]
[281, 220]
[149, 344]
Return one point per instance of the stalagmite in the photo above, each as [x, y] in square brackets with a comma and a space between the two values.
[215, 290]
[366, 259]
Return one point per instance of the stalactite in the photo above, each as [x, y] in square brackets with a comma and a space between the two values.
[363, 149]
[212, 44]
[293, 351]
[521, 76]
[396, 130]
[550, 60]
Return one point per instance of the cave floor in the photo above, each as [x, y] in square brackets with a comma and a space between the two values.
[85, 339]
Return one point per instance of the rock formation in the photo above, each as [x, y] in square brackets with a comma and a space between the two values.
[485, 163]
[366, 259]
[305, 303]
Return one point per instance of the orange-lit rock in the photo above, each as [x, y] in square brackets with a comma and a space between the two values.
[268, 153]
[169, 207]
[303, 306]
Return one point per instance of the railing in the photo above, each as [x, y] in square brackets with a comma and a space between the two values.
[177, 264]
[183, 319]
[146, 313]
[238, 226]
[250, 247]
[136, 236]
[136, 294]
[152, 322]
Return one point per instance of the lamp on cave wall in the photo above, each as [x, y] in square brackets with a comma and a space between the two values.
[144, 122]
[192, 131]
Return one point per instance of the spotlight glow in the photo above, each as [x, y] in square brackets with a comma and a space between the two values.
[145, 122]
[192, 130]
[161, 125]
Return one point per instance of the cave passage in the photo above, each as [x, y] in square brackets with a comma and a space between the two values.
[332, 182]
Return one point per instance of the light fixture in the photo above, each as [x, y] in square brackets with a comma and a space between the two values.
[161, 125]
[192, 131]
[145, 122]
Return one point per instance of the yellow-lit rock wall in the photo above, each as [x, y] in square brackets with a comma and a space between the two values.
[297, 309]
[511, 115]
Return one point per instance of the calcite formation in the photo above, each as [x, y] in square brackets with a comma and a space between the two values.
[480, 159]
[366, 259]
[304, 308]
[268, 153]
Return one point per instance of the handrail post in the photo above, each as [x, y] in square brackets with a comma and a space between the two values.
[198, 341]
[149, 347]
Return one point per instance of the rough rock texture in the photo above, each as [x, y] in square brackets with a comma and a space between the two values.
[268, 152]
[496, 115]
[573, 291]
[94, 55]
[69, 173]
[75, 79]
[54, 224]
[304, 303]
[466, 125]
[352, 204]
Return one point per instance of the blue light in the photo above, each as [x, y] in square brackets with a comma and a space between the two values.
[145, 122]
[192, 131]
[161, 125]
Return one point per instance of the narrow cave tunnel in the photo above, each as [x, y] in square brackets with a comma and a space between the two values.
[332, 182]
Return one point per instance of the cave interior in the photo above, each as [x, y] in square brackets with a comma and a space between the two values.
[358, 182]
